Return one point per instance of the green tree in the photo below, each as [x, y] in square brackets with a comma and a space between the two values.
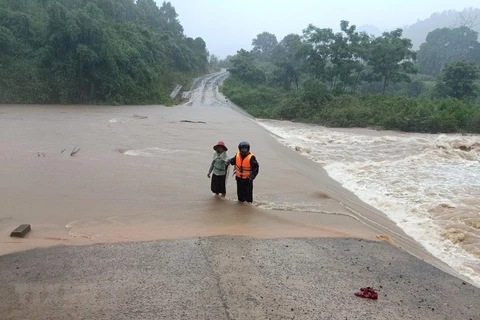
[315, 93]
[415, 88]
[348, 56]
[169, 19]
[244, 68]
[361, 51]
[318, 51]
[391, 58]
[448, 45]
[226, 63]
[288, 59]
[263, 44]
[459, 79]
[213, 61]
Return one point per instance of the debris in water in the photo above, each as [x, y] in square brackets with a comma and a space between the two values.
[454, 235]
[465, 148]
[74, 151]
[190, 121]
[475, 223]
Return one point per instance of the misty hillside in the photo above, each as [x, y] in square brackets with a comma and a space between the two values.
[418, 32]
[447, 19]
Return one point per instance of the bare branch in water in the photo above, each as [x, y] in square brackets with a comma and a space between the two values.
[74, 151]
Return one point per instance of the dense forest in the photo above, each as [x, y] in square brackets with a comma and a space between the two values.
[353, 79]
[135, 52]
[94, 51]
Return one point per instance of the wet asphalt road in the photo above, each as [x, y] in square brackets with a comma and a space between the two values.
[229, 278]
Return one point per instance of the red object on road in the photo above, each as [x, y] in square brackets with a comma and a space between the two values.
[368, 293]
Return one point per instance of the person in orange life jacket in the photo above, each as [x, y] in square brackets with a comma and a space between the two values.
[246, 170]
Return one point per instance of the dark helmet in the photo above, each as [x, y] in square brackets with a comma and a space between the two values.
[244, 144]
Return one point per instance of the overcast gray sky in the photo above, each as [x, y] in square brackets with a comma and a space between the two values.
[229, 25]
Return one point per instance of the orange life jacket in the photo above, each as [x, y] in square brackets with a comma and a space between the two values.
[242, 166]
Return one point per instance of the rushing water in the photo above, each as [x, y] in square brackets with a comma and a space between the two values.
[427, 184]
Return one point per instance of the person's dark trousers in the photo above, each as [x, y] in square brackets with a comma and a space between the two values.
[245, 190]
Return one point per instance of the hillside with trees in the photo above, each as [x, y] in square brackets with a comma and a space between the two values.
[94, 51]
[353, 79]
[417, 32]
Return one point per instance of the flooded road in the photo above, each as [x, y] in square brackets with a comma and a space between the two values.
[140, 174]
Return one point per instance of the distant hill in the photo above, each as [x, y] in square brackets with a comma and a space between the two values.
[418, 32]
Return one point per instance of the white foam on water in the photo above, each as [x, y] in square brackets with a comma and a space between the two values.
[152, 152]
[296, 207]
[429, 185]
